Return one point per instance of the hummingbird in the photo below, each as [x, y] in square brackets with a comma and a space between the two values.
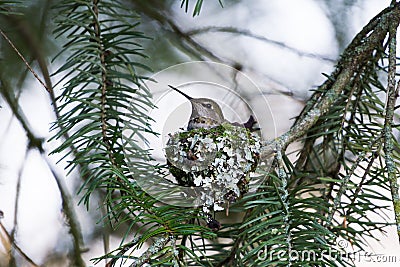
[206, 114]
[193, 164]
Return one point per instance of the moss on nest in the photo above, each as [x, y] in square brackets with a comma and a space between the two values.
[217, 160]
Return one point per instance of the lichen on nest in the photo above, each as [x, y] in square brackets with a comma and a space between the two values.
[217, 161]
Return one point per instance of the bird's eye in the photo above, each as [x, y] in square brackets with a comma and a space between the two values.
[207, 105]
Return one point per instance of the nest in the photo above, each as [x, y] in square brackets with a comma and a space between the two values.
[217, 161]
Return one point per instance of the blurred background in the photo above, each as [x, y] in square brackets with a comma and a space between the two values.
[283, 46]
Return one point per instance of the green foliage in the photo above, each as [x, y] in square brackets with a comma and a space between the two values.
[100, 80]
[343, 156]
[304, 205]
[10, 7]
[102, 95]
[335, 188]
[335, 193]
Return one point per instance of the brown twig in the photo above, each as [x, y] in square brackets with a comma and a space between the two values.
[20, 251]
[194, 49]
[17, 195]
[24, 60]
[250, 34]
[36, 142]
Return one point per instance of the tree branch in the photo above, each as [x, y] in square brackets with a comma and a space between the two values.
[155, 248]
[194, 49]
[104, 81]
[250, 34]
[23, 254]
[16, 205]
[391, 97]
[35, 142]
[353, 58]
[24, 60]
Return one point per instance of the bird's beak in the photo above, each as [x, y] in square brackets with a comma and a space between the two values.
[182, 93]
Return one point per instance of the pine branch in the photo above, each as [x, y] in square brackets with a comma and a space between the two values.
[284, 197]
[353, 70]
[343, 186]
[91, 96]
[35, 45]
[353, 58]
[154, 249]
[98, 88]
[391, 97]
